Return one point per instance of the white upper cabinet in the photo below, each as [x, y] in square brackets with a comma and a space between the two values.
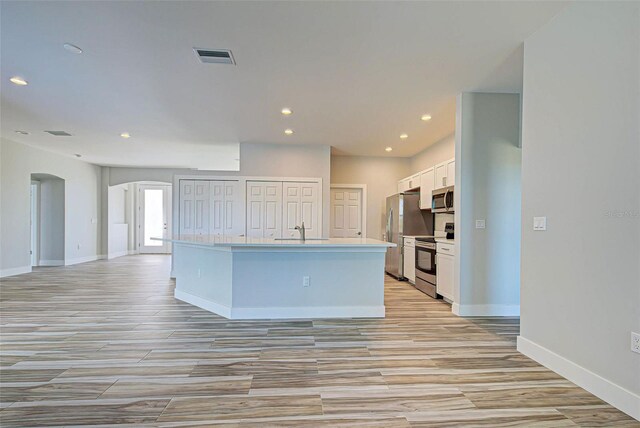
[451, 172]
[427, 184]
[403, 185]
[441, 175]
[301, 202]
[264, 209]
[414, 181]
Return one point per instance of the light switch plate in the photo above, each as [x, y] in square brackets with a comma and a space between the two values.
[539, 223]
[480, 224]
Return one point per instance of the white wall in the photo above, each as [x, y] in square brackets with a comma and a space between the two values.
[82, 184]
[259, 160]
[436, 153]
[381, 176]
[581, 169]
[488, 167]
[52, 212]
[118, 229]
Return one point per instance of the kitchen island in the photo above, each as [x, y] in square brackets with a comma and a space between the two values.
[258, 278]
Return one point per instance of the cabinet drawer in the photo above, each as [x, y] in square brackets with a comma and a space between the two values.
[449, 249]
[410, 242]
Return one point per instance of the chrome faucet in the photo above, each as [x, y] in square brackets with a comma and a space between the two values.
[302, 231]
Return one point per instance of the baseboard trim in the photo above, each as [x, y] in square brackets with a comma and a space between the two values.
[207, 305]
[485, 310]
[14, 271]
[617, 396]
[117, 254]
[51, 263]
[83, 259]
[282, 312]
[132, 252]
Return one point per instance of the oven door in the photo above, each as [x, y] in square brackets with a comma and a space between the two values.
[426, 262]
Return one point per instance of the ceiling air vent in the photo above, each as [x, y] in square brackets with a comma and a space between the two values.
[59, 133]
[215, 56]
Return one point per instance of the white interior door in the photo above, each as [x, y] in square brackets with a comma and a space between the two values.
[346, 213]
[301, 202]
[154, 206]
[264, 209]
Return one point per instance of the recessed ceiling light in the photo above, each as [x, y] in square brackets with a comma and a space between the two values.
[286, 111]
[125, 135]
[72, 48]
[78, 155]
[18, 81]
[404, 136]
[388, 149]
[22, 132]
[288, 131]
[425, 117]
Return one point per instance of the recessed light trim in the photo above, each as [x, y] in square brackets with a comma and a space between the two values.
[18, 131]
[17, 80]
[425, 117]
[125, 135]
[286, 111]
[404, 136]
[72, 48]
[388, 149]
[288, 131]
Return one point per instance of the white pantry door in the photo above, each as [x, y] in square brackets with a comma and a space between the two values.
[264, 209]
[301, 202]
[155, 203]
[346, 213]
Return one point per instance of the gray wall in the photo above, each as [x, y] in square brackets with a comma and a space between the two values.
[581, 169]
[381, 176]
[436, 153]
[488, 166]
[82, 184]
[258, 160]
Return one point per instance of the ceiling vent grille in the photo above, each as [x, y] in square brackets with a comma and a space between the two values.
[215, 56]
[59, 133]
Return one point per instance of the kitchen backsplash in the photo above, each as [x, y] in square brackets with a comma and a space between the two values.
[441, 219]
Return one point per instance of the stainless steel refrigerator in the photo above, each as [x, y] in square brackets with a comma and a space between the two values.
[404, 217]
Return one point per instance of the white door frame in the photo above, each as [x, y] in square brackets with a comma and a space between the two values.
[363, 188]
[166, 248]
[35, 222]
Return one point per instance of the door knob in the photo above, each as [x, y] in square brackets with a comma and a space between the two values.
[359, 233]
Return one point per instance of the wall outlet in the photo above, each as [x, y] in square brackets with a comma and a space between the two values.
[305, 281]
[539, 223]
[635, 342]
[480, 224]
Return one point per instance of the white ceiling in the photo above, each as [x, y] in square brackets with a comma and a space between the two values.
[356, 74]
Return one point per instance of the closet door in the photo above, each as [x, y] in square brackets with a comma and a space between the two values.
[186, 211]
[309, 207]
[291, 210]
[233, 209]
[301, 202]
[264, 209]
[201, 208]
[216, 215]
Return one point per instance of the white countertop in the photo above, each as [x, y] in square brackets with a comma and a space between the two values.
[445, 240]
[242, 241]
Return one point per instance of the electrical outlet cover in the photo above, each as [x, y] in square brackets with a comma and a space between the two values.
[635, 342]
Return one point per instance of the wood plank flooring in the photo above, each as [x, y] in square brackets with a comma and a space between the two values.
[106, 343]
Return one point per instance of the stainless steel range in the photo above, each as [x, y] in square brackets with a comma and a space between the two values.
[426, 266]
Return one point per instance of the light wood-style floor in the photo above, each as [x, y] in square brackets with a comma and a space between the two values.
[106, 343]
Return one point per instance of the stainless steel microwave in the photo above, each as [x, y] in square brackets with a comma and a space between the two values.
[442, 200]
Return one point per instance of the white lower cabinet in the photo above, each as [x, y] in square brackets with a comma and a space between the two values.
[445, 268]
[409, 260]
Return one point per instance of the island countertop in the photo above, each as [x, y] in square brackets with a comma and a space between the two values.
[242, 241]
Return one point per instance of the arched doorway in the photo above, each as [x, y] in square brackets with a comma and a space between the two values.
[47, 220]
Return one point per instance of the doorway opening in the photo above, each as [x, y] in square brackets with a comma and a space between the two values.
[154, 215]
[348, 211]
[47, 199]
